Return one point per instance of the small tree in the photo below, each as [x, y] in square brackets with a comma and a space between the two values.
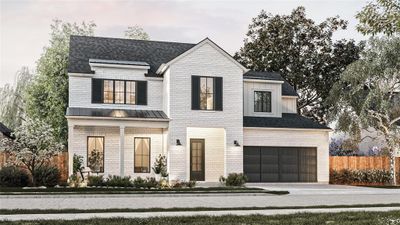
[34, 145]
[136, 32]
[368, 95]
[160, 166]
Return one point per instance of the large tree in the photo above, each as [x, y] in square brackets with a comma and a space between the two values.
[382, 16]
[302, 52]
[47, 97]
[368, 94]
[12, 99]
[136, 32]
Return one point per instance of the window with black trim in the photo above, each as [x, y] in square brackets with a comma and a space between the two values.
[119, 91]
[142, 155]
[95, 154]
[262, 101]
[108, 88]
[130, 92]
[207, 93]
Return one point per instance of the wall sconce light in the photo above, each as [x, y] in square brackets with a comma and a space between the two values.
[236, 143]
[178, 142]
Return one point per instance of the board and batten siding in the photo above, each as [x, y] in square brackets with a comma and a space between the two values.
[80, 88]
[293, 138]
[276, 98]
[289, 104]
[111, 147]
[206, 60]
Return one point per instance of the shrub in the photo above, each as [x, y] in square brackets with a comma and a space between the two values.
[234, 179]
[149, 182]
[117, 181]
[96, 181]
[160, 166]
[12, 176]
[47, 176]
[346, 176]
[74, 180]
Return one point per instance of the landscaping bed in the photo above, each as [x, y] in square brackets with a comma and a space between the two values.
[343, 218]
[130, 190]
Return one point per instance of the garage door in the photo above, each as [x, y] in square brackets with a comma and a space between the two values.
[280, 164]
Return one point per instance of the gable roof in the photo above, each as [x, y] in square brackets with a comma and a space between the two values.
[5, 130]
[155, 53]
[288, 120]
[287, 89]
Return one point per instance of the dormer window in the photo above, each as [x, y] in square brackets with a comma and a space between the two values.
[119, 92]
[262, 101]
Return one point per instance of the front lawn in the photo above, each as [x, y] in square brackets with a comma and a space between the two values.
[197, 190]
[346, 218]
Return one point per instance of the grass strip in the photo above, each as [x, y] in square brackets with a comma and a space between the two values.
[57, 211]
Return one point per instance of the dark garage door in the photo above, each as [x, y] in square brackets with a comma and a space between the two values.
[280, 164]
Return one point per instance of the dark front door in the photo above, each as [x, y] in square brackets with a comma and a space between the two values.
[197, 159]
[280, 164]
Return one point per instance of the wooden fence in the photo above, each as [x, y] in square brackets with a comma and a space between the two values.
[60, 161]
[361, 162]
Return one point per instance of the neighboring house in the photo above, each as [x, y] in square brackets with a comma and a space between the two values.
[131, 100]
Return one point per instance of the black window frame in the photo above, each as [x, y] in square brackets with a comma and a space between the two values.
[87, 152]
[134, 154]
[215, 93]
[263, 102]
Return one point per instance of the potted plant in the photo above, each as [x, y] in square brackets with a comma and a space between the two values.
[160, 167]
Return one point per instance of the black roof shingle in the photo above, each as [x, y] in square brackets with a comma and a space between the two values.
[288, 120]
[83, 48]
[116, 113]
[287, 89]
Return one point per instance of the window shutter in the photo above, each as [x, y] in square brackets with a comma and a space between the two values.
[195, 92]
[141, 92]
[218, 89]
[97, 91]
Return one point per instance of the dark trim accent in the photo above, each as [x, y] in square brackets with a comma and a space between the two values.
[97, 90]
[114, 80]
[263, 98]
[134, 153]
[104, 152]
[203, 172]
[196, 89]
[218, 93]
[195, 92]
[141, 93]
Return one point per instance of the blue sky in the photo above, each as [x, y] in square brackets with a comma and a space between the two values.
[25, 24]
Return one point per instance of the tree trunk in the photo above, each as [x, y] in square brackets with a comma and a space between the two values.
[392, 168]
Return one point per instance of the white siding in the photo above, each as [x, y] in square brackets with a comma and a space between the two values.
[80, 89]
[293, 138]
[111, 150]
[276, 98]
[289, 104]
[207, 61]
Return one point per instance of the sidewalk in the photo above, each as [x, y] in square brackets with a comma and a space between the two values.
[80, 216]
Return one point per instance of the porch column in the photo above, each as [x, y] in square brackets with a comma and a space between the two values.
[121, 150]
[70, 152]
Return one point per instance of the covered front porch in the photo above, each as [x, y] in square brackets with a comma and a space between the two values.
[123, 146]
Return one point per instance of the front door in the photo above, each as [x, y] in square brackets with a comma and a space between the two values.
[197, 159]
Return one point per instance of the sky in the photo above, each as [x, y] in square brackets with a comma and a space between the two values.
[25, 24]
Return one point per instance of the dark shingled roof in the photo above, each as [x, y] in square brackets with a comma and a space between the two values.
[287, 89]
[83, 48]
[5, 130]
[117, 113]
[288, 120]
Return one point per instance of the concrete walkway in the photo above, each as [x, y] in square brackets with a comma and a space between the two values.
[80, 216]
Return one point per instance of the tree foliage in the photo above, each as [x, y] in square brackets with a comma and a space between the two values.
[382, 16]
[136, 32]
[34, 145]
[302, 52]
[47, 97]
[12, 99]
[368, 93]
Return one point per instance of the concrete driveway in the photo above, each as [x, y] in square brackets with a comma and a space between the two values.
[323, 189]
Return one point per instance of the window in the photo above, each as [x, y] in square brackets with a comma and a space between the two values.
[142, 155]
[207, 93]
[119, 92]
[262, 101]
[95, 157]
[130, 92]
[108, 91]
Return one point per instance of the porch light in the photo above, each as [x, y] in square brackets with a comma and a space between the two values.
[236, 143]
[178, 142]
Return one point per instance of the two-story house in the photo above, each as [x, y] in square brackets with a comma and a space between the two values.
[132, 100]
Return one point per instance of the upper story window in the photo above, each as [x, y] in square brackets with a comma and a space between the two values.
[207, 93]
[262, 101]
[119, 92]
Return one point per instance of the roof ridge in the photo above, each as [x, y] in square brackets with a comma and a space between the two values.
[128, 39]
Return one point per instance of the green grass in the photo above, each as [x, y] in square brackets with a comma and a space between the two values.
[55, 211]
[345, 218]
[198, 190]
